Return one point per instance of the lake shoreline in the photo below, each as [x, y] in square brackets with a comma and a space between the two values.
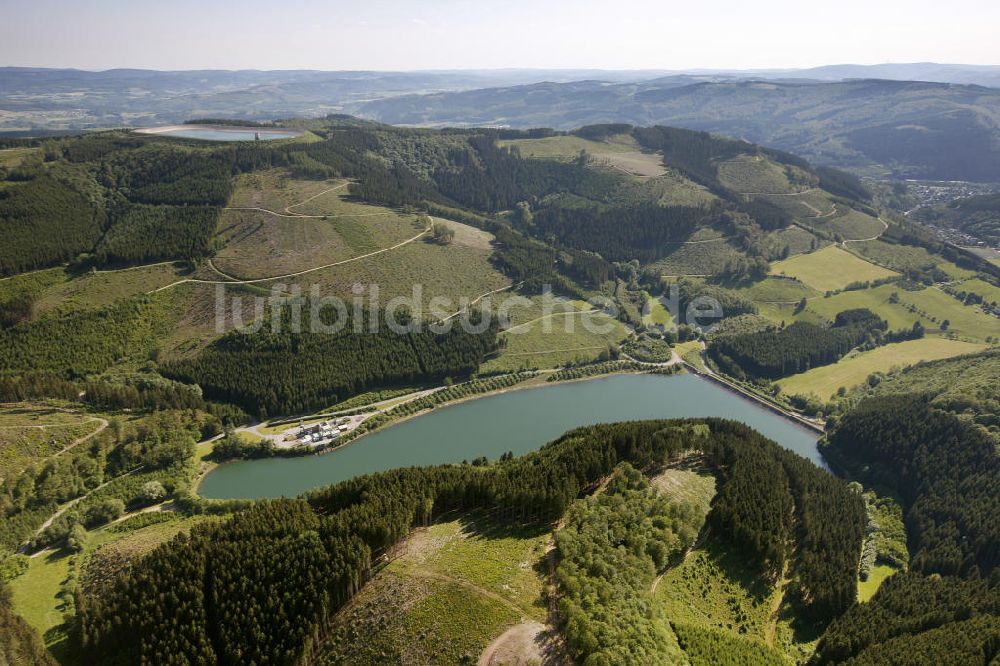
[736, 388]
[622, 396]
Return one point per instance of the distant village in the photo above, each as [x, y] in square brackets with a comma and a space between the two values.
[932, 193]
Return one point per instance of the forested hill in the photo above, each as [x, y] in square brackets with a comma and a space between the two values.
[286, 372]
[965, 386]
[796, 348]
[947, 607]
[121, 198]
[928, 130]
[112, 200]
[119, 335]
[259, 587]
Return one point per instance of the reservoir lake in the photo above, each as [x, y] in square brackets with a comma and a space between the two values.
[519, 421]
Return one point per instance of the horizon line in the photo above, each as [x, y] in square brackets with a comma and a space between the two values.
[660, 70]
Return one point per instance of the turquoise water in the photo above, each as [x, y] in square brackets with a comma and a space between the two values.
[209, 134]
[518, 421]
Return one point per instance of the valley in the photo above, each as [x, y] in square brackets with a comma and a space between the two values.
[665, 350]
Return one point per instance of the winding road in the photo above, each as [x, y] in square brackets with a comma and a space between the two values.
[885, 227]
[430, 223]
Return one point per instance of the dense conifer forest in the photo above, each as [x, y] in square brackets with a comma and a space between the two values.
[286, 372]
[796, 348]
[945, 470]
[947, 607]
[141, 233]
[644, 232]
[45, 222]
[83, 342]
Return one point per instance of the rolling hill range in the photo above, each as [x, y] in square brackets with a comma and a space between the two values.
[168, 304]
[918, 120]
[40, 99]
[911, 129]
[977, 75]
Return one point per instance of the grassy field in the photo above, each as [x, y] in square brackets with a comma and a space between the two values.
[850, 224]
[954, 271]
[713, 588]
[877, 300]
[750, 175]
[29, 434]
[691, 352]
[829, 269]
[855, 368]
[556, 340]
[39, 594]
[965, 321]
[868, 588]
[777, 290]
[12, 157]
[785, 312]
[658, 314]
[453, 587]
[930, 306]
[695, 259]
[670, 188]
[619, 153]
[257, 244]
[907, 257]
[989, 292]
[565, 147]
[36, 596]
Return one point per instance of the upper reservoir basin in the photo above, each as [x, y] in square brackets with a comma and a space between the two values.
[519, 421]
[221, 133]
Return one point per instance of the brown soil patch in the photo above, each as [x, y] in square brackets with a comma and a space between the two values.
[526, 643]
[646, 165]
[468, 236]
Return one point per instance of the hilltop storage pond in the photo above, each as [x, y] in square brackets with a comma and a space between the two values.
[518, 421]
[222, 133]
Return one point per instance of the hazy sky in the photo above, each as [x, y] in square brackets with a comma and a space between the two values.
[458, 34]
